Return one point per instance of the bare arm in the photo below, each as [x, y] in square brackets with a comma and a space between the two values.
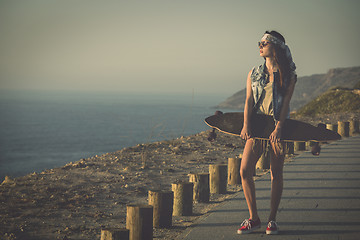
[276, 134]
[248, 108]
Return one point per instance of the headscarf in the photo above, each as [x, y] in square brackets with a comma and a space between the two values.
[276, 41]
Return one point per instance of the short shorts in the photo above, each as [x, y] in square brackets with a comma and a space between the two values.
[264, 146]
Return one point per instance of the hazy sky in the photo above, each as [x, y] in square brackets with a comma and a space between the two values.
[166, 45]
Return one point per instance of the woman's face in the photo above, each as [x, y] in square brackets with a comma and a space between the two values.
[266, 49]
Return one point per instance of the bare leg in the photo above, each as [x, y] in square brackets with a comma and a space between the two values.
[276, 167]
[247, 168]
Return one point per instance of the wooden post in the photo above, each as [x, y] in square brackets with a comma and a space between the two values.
[114, 234]
[309, 145]
[234, 171]
[354, 127]
[139, 220]
[332, 127]
[263, 162]
[218, 178]
[343, 129]
[201, 187]
[183, 198]
[162, 202]
[289, 148]
[299, 146]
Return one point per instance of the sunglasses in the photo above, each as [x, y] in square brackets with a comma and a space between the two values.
[263, 44]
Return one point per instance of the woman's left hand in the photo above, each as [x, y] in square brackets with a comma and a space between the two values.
[275, 135]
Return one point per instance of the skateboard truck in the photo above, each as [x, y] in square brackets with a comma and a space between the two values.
[212, 135]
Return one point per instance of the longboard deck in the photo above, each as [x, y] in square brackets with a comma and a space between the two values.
[263, 125]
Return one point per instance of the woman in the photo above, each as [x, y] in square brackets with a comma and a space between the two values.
[268, 91]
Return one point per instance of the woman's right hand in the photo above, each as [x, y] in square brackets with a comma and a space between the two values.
[245, 133]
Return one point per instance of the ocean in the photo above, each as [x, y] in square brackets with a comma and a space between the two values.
[43, 130]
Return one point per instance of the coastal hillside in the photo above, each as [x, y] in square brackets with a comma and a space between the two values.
[335, 100]
[307, 87]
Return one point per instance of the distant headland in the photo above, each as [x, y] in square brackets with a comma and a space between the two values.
[307, 88]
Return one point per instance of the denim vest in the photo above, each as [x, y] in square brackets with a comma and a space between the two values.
[259, 78]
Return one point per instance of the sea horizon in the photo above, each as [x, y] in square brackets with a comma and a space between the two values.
[48, 129]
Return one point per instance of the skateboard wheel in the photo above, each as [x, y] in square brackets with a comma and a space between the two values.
[315, 150]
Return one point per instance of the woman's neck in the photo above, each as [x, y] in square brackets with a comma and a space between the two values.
[271, 65]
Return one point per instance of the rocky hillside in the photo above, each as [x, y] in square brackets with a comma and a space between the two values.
[335, 100]
[307, 88]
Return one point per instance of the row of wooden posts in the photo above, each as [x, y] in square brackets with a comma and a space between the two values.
[163, 205]
[345, 129]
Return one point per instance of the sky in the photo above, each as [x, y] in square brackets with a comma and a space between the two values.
[166, 46]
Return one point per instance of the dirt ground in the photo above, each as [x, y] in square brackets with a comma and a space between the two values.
[78, 200]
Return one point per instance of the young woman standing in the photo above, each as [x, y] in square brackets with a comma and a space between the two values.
[269, 90]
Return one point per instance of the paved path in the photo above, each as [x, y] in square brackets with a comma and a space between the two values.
[321, 200]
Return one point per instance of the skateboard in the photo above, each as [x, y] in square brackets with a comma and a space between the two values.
[263, 125]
